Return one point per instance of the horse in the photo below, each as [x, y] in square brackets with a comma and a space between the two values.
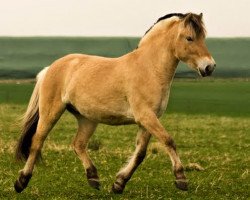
[131, 89]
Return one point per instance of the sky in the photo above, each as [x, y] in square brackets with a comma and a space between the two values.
[223, 18]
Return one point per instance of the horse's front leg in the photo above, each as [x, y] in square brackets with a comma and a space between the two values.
[150, 122]
[125, 173]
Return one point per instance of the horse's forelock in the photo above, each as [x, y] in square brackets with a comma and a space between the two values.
[196, 23]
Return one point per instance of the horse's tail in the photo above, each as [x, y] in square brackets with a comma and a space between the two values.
[30, 121]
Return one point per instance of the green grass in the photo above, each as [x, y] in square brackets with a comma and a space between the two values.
[212, 97]
[15, 93]
[25, 57]
[209, 120]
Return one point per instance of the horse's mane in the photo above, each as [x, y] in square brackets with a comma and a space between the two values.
[194, 21]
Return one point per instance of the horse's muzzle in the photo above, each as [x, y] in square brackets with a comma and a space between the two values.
[207, 71]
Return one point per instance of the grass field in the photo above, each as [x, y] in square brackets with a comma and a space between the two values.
[209, 120]
[24, 57]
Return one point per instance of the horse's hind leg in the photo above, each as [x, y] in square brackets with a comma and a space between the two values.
[48, 116]
[85, 130]
[125, 173]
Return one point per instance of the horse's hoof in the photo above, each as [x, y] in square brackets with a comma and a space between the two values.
[117, 189]
[181, 184]
[94, 183]
[18, 186]
[22, 182]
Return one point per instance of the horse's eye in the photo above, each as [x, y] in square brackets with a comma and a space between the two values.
[189, 39]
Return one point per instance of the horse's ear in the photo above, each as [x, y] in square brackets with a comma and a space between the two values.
[201, 15]
[187, 19]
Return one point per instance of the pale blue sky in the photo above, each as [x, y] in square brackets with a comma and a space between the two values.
[223, 18]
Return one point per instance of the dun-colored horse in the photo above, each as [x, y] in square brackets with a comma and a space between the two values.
[133, 88]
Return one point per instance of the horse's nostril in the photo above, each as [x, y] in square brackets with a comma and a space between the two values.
[208, 68]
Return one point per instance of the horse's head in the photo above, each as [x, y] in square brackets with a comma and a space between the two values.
[191, 47]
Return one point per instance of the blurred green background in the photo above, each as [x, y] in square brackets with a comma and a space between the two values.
[24, 57]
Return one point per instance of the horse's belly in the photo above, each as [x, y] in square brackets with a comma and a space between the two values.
[110, 118]
[112, 113]
[116, 120]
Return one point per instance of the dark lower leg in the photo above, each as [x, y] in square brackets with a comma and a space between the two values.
[26, 173]
[92, 177]
[180, 182]
[22, 182]
[124, 176]
[125, 173]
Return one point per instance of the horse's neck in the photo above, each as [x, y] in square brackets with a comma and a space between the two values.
[161, 60]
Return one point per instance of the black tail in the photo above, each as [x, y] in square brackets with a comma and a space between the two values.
[24, 143]
[30, 121]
